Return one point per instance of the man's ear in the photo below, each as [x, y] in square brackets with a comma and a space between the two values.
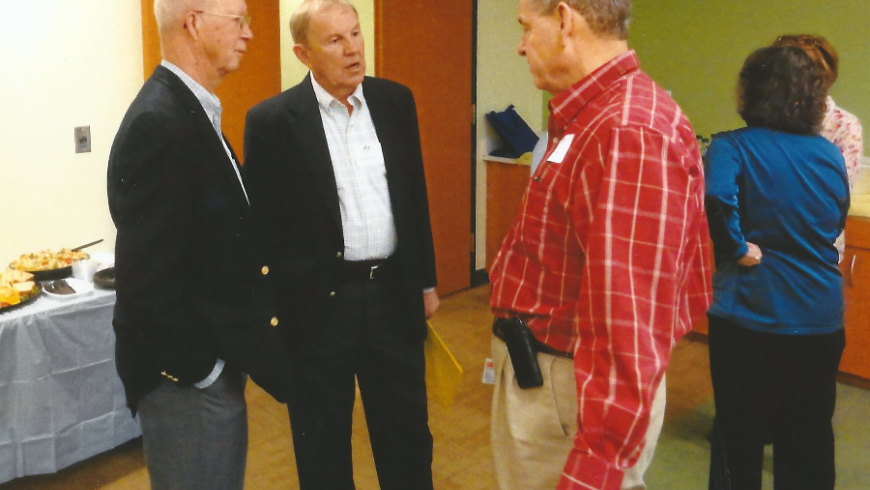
[192, 24]
[572, 24]
[301, 52]
[566, 18]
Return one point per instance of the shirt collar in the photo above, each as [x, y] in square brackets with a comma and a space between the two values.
[325, 99]
[567, 103]
[210, 103]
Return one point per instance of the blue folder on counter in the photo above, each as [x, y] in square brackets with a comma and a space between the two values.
[513, 131]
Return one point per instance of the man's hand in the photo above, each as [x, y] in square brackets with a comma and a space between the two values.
[430, 303]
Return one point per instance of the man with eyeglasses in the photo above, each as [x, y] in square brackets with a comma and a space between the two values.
[195, 309]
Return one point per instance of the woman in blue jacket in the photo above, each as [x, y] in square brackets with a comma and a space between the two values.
[777, 197]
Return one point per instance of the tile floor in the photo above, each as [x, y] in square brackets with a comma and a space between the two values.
[461, 431]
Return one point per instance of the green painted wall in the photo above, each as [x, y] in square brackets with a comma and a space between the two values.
[696, 48]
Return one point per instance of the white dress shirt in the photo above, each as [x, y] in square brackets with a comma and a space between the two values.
[360, 176]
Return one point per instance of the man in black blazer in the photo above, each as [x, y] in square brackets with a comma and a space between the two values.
[335, 165]
[195, 309]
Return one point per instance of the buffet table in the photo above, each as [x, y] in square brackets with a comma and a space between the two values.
[61, 400]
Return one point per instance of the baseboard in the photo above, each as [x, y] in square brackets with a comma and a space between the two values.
[479, 278]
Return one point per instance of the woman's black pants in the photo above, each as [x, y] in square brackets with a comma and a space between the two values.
[779, 388]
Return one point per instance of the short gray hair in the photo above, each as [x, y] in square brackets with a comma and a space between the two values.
[302, 16]
[606, 18]
[170, 12]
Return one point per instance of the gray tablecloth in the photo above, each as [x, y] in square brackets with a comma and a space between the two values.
[60, 397]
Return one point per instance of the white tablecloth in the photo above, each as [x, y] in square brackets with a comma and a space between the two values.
[61, 400]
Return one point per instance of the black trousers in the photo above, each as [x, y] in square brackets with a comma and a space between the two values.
[366, 336]
[773, 387]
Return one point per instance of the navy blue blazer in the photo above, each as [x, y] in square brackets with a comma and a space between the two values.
[191, 268]
[292, 185]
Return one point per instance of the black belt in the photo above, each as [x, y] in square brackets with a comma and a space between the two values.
[365, 270]
[497, 330]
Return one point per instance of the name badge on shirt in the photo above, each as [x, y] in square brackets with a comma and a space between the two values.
[561, 149]
[368, 154]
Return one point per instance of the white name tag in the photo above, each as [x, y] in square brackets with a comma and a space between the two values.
[488, 373]
[368, 154]
[561, 149]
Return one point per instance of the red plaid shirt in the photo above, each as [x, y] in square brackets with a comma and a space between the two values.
[608, 256]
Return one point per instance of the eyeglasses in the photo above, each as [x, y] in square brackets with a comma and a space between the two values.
[243, 20]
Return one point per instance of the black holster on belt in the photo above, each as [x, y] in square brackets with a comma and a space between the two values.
[521, 349]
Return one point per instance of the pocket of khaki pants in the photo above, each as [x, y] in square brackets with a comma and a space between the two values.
[563, 387]
[498, 351]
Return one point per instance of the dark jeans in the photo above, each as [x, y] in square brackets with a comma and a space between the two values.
[776, 387]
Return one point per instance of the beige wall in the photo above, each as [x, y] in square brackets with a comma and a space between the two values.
[503, 78]
[292, 71]
[65, 64]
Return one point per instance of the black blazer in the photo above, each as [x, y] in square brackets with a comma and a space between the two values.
[292, 184]
[192, 276]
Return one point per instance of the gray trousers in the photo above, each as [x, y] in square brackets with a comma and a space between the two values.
[196, 439]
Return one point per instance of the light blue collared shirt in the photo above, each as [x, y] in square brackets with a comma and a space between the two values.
[213, 109]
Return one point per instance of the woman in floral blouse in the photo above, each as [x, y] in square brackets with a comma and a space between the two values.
[839, 127]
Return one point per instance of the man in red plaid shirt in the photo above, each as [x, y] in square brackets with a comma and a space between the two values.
[607, 262]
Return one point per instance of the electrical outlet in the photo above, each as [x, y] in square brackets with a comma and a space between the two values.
[83, 139]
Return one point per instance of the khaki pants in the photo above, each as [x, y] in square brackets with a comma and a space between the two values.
[533, 430]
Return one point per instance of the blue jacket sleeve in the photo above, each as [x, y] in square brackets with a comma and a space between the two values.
[723, 169]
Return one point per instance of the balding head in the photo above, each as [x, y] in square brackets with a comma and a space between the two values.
[204, 38]
[301, 17]
[170, 13]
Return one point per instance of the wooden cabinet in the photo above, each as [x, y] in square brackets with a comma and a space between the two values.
[505, 184]
[700, 326]
[856, 288]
